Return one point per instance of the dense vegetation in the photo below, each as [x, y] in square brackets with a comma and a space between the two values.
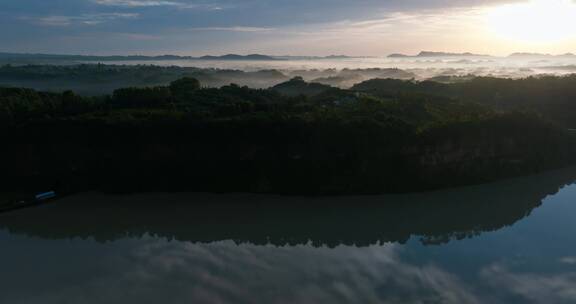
[383, 136]
[100, 79]
[551, 97]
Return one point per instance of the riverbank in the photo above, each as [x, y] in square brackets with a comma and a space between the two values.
[305, 159]
[437, 217]
[15, 201]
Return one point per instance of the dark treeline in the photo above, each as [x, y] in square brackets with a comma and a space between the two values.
[551, 97]
[548, 96]
[183, 137]
[100, 79]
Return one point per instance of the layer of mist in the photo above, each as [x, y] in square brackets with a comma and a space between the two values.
[342, 72]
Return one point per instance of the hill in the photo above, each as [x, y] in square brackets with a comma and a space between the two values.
[296, 138]
[436, 54]
[43, 58]
[255, 57]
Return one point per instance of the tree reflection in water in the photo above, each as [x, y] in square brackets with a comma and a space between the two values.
[436, 217]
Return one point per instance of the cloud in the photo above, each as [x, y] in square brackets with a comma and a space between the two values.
[153, 3]
[146, 270]
[535, 288]
[415, 22]
[86, 19]
[367, 27]
[247, 29]
[568, 260]
[455, 30]
[135, 3]
[139, 37]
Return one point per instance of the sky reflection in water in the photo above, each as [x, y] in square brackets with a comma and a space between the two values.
[524, 253]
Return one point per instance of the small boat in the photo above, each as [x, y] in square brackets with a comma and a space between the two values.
[45, 196]
[37, 200]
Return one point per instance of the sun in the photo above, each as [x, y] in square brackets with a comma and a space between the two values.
[537, 21]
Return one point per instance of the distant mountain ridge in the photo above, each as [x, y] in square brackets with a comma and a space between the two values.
[39, 57]
[468, 54]
[525, 54]
[437, 54]
[239, 57]
[398, 55]
[444, 54]
[58, 57]
[87, 57]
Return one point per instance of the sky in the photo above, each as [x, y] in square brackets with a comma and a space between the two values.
[286, 27]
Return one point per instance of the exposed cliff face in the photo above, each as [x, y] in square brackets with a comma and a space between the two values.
[300, 161]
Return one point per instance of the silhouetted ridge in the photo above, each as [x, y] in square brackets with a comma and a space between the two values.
[239, 57]
[446, 54]
[437, 54]
[297, 86]
[59, 57]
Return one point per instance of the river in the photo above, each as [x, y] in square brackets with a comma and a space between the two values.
[508, 242]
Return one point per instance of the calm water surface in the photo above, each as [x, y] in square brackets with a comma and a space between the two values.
[508, 242]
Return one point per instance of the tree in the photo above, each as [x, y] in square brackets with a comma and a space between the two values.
[182, 88]
[130, 97]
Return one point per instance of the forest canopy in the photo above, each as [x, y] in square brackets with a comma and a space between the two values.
[297, 137]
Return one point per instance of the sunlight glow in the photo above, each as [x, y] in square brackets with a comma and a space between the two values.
[538, 21]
